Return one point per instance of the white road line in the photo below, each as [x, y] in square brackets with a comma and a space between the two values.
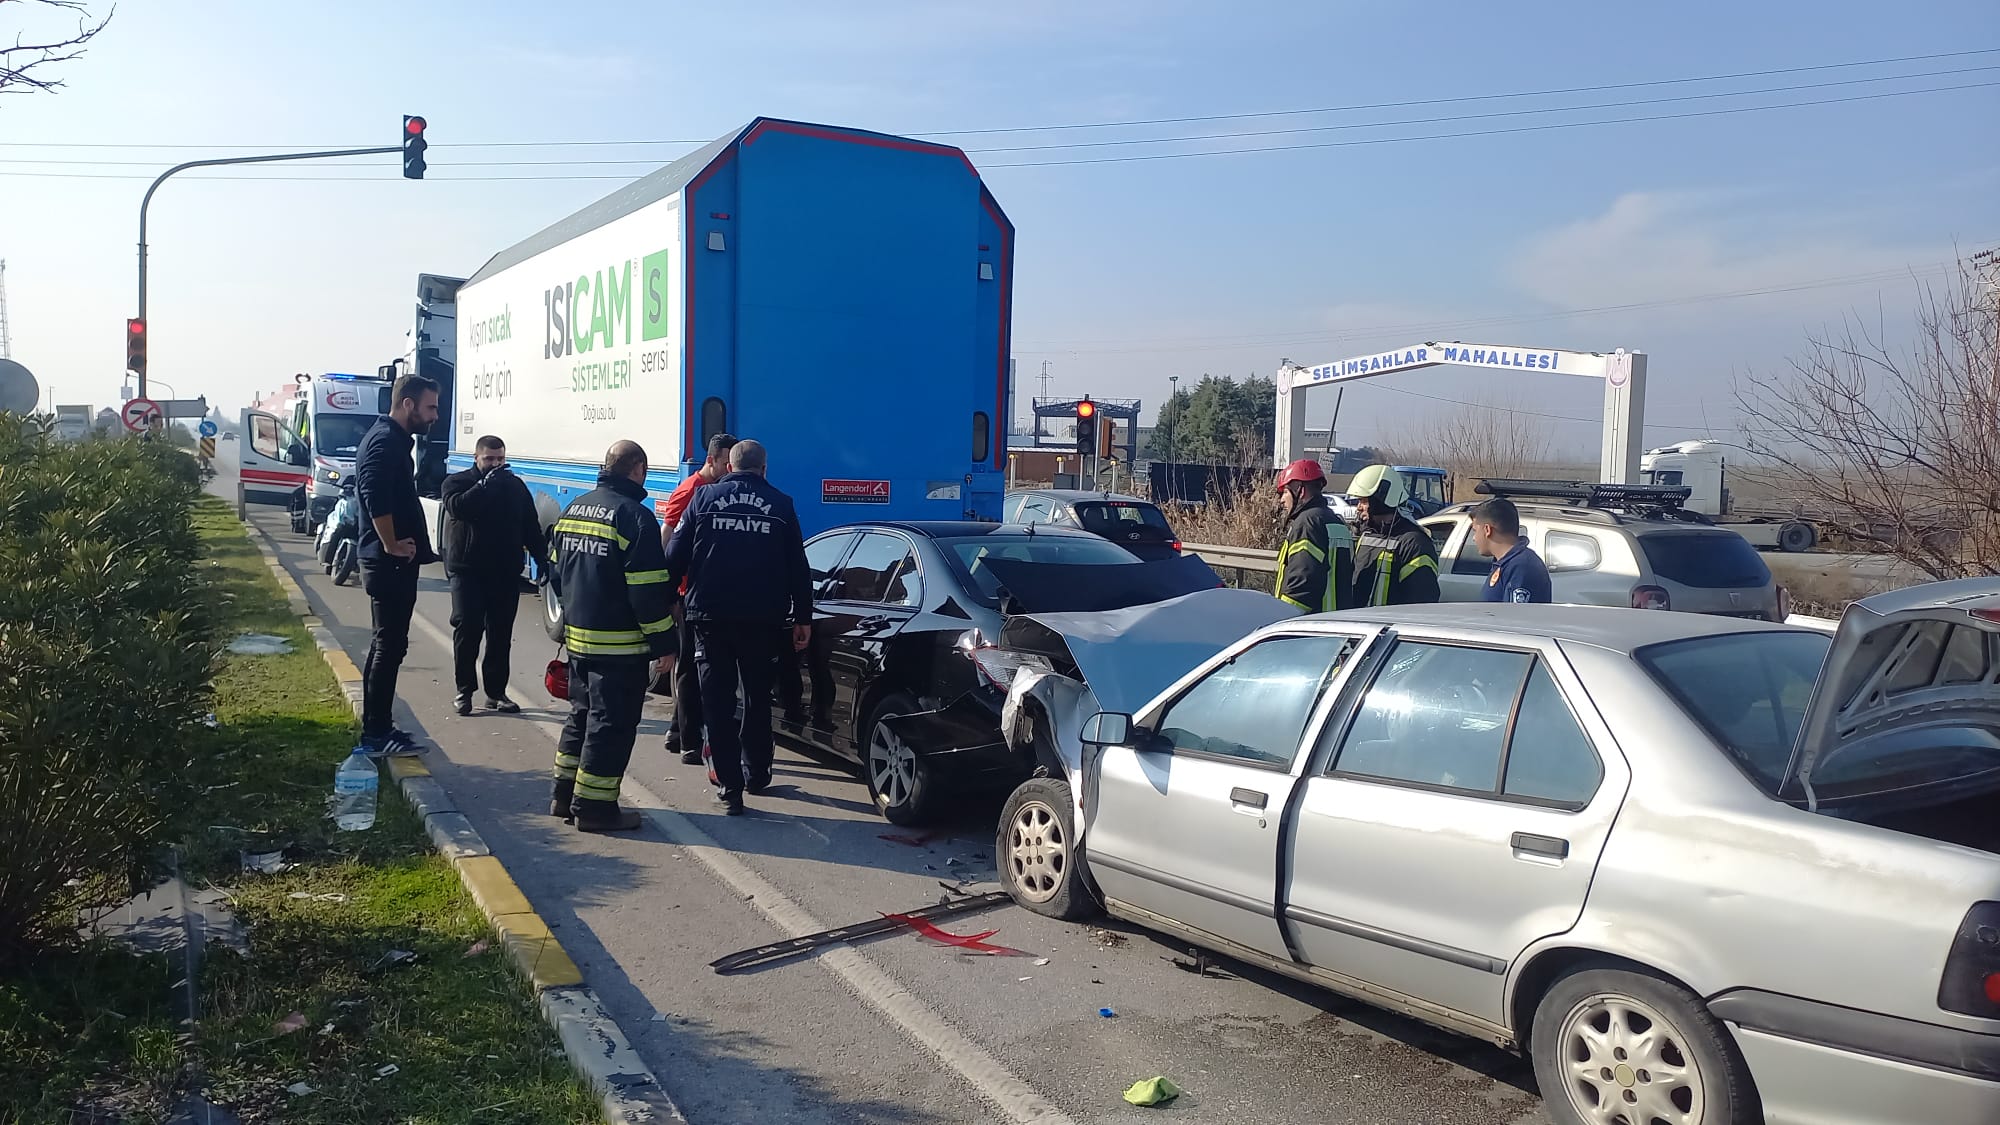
[987, 1075]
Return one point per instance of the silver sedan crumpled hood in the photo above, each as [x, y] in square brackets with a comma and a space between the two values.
[1128, 656]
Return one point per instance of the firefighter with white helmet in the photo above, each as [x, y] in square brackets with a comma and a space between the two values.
[1316, 563]
[1395, 562]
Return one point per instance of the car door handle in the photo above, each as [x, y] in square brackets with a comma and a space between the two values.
[1249, 797]
[872, 621]
[1549, 847]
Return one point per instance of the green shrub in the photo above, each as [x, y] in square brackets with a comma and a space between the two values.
[105, 657]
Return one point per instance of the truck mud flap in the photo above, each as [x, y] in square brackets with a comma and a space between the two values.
[783, 950]
[964, 724]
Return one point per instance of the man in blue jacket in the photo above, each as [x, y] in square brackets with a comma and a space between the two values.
[740, 547]
[394, 543]
[1518, 574]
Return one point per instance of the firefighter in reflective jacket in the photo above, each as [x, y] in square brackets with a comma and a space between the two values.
[617, 619]
[1395, 562]
[1316, 564]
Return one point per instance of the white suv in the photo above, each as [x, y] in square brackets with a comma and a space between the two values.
[1601, 556]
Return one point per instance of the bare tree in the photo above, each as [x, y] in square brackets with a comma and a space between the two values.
[1896, 444]
[25, 67]
[1477, 440]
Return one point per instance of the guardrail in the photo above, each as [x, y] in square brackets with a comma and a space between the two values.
[1235, 559]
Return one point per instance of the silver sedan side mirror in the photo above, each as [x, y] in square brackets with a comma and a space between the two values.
[1107, 728]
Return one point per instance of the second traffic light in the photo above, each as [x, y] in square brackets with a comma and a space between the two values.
[413, 147]
[1086, 427]
[135, 346]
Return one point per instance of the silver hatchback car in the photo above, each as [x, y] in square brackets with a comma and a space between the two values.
[1704, 871]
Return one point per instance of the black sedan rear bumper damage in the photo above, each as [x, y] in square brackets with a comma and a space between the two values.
[963, 738]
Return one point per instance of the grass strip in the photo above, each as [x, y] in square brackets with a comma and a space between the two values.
[321, 1000]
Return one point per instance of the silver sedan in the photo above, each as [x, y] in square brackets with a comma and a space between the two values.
[1704, 871]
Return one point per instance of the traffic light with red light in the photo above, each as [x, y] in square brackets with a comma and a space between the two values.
[413, 147]
[135, 346]
[1086, 427]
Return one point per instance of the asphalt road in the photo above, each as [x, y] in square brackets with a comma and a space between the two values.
[897, 1030]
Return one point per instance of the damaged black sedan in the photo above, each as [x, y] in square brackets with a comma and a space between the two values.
[903, 676]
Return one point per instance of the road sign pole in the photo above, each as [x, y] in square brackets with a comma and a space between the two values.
[147, 201]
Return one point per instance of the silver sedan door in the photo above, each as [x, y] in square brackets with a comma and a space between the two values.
[1184, 822]
[1468, 796]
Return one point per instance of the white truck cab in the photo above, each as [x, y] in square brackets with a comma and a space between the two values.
[1701, 468]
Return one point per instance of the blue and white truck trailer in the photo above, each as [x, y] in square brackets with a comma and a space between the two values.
[840, 295]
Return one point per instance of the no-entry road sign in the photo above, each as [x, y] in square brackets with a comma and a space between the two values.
[138, 413]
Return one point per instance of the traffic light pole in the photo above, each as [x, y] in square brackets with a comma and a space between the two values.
[148, 200]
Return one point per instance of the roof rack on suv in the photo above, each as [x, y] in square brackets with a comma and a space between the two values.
[1644, 500]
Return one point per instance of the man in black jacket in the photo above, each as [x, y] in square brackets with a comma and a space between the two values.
[617, 619]
[394, 543]
[489, 521]
[739, 546]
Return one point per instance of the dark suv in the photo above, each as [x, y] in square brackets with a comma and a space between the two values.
[1134, 524]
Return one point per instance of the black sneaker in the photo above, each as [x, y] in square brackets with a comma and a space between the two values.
[758, 783]
[504, 705]
[691, 757]
[732, 801]
[463, 704]
[392, 743]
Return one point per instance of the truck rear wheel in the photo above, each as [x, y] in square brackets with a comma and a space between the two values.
[1796, 537]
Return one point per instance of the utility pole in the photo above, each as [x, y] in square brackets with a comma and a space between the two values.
[412, 147]
[6, 338]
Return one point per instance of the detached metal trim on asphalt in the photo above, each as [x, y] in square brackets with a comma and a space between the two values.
[626, 1087]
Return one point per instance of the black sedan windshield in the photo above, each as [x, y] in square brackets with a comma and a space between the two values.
[969, 556]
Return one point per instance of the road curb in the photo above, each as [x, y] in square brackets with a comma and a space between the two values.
[626, 1087]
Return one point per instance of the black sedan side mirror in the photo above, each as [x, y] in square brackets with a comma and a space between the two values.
[1107, 728]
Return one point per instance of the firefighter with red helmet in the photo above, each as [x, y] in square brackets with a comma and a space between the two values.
[1316, 562]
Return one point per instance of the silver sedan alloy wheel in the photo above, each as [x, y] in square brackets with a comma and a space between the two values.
[1623, 1063]
[1037, 851]
[892, 765]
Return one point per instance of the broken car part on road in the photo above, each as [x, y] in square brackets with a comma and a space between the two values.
[780, 951]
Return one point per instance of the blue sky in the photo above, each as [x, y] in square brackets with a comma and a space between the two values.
[1128, 272]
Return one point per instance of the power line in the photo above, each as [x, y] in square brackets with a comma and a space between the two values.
[1674, 99]
[1358, 142]
[1123, 141]
[1466, 97]
[1728, 111]
[1529, 413]
[1236, 343]
[1137, 122]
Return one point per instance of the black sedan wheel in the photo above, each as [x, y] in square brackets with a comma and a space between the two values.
[899, 778]
[552, 613]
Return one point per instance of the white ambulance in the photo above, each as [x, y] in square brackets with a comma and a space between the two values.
[331, 419]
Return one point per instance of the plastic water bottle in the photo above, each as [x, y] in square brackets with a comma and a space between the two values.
[354, 792]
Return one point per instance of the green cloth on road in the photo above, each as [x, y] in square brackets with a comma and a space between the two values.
[1152, 1091]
